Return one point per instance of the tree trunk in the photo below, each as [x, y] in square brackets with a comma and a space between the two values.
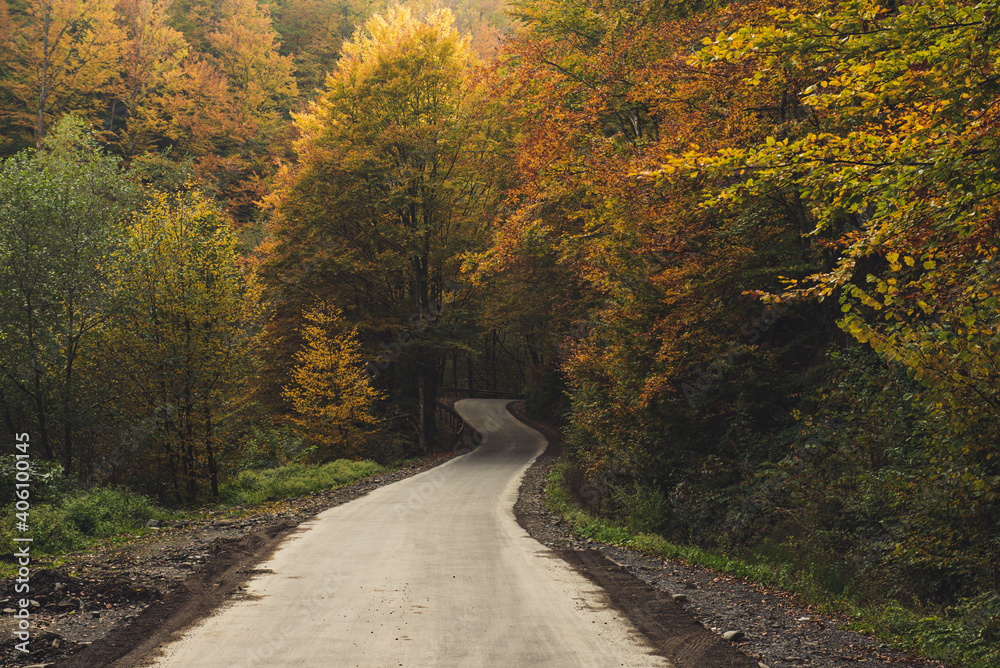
[213, 469]
[69, 414]
[427, 390]
[422, 441]
[43, 84]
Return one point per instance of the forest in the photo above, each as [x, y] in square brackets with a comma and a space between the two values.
[743, 254]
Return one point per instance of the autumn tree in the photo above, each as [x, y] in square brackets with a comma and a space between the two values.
[246, 48]
[385, 199]
[182, 340]
[151, 52]
[652, 283]
[65, 55]
[9, 104]
[227, 102]
[906, 180]
[888, 150]
[312, 32]
[331, 389]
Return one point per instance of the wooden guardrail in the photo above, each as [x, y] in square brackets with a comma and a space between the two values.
[476, 393]
[464, 437]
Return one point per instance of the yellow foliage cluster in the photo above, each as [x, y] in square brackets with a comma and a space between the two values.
[184, 334]
[331, 391]
[894, 151]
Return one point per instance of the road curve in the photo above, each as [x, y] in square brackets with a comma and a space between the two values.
[430, 571]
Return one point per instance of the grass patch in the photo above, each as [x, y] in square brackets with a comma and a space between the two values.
[74, 522]
[109, 515]
[559, 500]
[254, 487]
[967, 634]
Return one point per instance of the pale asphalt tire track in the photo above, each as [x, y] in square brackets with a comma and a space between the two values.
[429, 571]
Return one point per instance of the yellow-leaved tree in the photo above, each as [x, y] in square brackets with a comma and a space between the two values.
[63, 57]
[388, 194]
[331, 391]
[183, 340]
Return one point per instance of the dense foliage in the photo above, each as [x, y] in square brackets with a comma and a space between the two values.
[777, 229]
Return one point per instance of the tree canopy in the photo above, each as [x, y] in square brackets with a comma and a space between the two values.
[385, 198]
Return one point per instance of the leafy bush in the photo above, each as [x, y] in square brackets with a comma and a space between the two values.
[57, 528]
[105, 511]
[272, 447]
[389, 448]
[47, 480]
[645, 509]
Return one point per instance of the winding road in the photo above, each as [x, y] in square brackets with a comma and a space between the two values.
[430, 571]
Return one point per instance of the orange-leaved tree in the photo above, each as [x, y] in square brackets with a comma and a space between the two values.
[603, 91]
[227, 102]
[64, 58]
[151, 51]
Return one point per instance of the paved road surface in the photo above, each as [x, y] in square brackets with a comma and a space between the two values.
[430, 571]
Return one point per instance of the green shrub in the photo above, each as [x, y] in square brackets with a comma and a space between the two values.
[253, 487]
[645, 509]
[47, 480]
[390, 448]
[966, 634]
[66, 526]
[50, 530]
[272, 447]
[53, 532]
[106, 511]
